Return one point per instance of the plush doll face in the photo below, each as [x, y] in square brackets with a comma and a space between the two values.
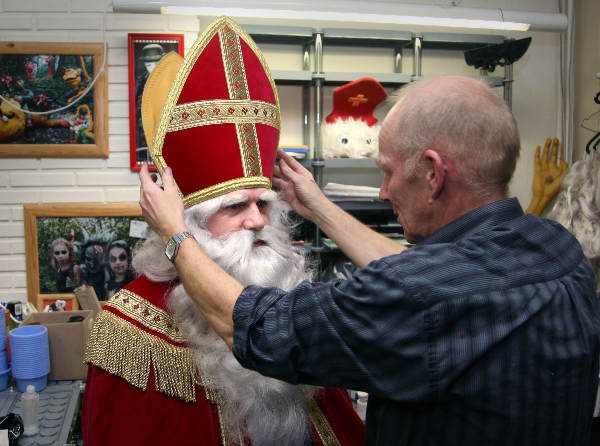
[349, 139]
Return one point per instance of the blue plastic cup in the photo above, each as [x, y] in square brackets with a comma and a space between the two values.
[30, 353]
[4, 378]
[39, 383]
[2, 331]
[3, 360]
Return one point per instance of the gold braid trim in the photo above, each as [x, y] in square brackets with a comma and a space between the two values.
[125, 350]
[321, 424]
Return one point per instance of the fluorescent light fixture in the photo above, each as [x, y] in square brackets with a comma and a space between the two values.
[376, 12]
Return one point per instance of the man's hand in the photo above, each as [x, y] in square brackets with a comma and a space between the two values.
[548, 174]
[297, 186]
[161, 207]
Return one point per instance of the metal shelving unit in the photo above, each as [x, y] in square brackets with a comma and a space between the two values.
[312, 77]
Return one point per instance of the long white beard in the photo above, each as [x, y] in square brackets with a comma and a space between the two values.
[268, 411]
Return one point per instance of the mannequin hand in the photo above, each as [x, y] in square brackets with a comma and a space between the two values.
[548, 174]
[297, 186]
[161, 207]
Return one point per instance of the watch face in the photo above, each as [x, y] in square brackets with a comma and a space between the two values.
[170, 249]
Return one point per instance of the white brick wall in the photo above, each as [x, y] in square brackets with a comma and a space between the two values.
[65, 180]
[46, 180]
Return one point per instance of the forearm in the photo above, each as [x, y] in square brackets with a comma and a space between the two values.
[214, 291]
[361, 244]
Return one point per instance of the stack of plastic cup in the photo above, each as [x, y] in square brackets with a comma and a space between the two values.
[30, 356]
[4, 368]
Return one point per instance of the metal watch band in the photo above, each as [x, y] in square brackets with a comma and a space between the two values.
[173, 244]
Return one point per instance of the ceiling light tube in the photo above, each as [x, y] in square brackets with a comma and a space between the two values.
[376, 12]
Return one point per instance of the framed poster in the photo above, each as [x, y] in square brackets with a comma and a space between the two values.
[145, 50]
[72, 244]
[58, 84]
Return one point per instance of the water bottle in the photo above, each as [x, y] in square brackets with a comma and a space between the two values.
[30, 411]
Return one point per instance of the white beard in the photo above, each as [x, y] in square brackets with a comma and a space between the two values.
[268, 411]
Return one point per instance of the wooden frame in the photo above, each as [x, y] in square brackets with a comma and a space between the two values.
[84, 225]
[138, 73]
[54, 75]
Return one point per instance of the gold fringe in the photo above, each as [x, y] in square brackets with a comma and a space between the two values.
[125, 350]
[321, 424]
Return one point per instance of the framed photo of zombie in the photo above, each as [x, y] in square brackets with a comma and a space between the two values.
[53, 100]
[72, 244]
[145, 50]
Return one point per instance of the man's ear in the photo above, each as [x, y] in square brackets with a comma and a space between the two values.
[436, 172]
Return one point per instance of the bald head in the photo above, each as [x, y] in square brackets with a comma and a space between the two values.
[464, 120]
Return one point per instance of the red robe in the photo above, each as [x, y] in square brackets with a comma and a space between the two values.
[141, 388]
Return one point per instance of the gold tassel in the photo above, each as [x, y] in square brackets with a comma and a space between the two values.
[125, 350]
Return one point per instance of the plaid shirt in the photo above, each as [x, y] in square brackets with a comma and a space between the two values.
[486, 333]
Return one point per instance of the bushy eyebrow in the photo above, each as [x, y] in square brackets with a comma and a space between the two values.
[268, 195]
[233, 199]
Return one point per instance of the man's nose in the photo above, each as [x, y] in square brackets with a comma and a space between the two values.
[254, 219]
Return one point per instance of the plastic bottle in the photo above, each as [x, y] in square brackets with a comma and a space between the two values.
[30, 411]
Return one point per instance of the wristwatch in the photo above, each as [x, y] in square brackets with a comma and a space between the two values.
[173, 244]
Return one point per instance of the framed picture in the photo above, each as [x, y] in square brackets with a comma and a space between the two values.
[54, 101]
[145, 50]
[71, 244]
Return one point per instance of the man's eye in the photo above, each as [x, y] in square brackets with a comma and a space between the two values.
[262, 204]
[235, 206]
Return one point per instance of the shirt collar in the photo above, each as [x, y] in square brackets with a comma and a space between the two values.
[487, 216]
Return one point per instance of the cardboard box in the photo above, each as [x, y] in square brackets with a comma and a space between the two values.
[66, 340]
[86, 296]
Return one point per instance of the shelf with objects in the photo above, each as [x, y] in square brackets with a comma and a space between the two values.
[482, 52]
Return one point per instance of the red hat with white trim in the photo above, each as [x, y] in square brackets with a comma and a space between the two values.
[219, 126]
[357, 100]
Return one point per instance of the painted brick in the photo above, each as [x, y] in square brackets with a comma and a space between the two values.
[107, 178]
[12, 263]
[118, 109]
[8, 295]
[12, 229]
[118, 92]
[5, 247]
[38, 36]
[17, 213]
[3, 180]
[21, 196]
[42, 179]
[69, 21]
[120, 159]
[118, 74]
[123, 194]
[19, 280]
[118, 55]
[19, 163]
[73, 163]
[118, 142]
[6, 213]
[72, 195]
[145, 23]
[16, 21]
[36, 5]
[119, 126]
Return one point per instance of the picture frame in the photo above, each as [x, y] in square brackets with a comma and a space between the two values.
[41, 77]
[144, 51]
[72, 244]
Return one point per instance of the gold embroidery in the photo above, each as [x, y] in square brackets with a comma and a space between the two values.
[321, 424]
[196, 114]
[142, 311]
[169, 108]
[121, 348]
[224, 188]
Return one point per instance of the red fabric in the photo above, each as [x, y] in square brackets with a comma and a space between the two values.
[204, 156]
[114, 412]
[357, 100]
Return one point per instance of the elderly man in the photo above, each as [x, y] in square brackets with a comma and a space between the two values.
[158, 373]
[487, 331]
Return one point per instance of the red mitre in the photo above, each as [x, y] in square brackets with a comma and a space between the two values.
[357, 100]
[219, 127]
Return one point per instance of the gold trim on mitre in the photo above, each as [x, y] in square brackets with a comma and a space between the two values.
[236, 108]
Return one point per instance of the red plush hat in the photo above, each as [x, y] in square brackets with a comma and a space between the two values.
[357, 100]
[219, 126]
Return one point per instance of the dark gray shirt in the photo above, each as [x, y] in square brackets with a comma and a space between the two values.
[486, 333]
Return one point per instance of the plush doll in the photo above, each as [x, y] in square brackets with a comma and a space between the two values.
[350, 131]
